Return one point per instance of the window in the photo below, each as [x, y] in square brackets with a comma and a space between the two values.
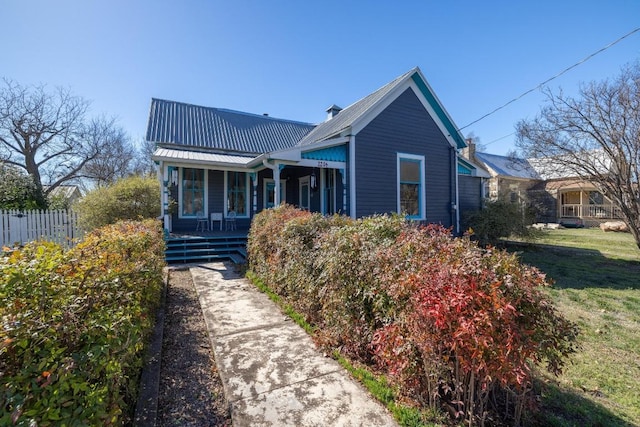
[411, 200]
[596, 198]
[237, 193]
[193, 191]
[305, 195]
[270, 192]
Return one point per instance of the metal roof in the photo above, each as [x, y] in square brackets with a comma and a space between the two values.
[508, 166]
[350, 114]
[215, 128]
[198, 157]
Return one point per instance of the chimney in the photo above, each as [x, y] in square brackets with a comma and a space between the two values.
[470, 150]
[333, 111]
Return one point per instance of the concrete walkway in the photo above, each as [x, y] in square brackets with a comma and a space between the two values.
[272, 373]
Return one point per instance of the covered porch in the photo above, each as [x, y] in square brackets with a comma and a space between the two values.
[208, 194]
[587, 204]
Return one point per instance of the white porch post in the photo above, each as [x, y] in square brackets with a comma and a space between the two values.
[254, 181]
[163, 175]
[276, 179]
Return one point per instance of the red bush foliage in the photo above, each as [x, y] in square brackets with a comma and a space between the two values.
[453, 325]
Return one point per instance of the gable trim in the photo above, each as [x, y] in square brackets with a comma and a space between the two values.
[439, 110]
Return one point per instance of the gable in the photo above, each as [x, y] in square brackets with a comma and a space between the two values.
[358, 115]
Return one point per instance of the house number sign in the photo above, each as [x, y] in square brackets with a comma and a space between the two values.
[323, 164]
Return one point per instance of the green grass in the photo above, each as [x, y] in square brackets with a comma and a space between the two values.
[597, 285]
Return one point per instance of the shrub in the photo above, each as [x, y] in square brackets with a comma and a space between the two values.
[130, 198]
[469, 326]
[501, 218]
[454, 326]
[74, 325]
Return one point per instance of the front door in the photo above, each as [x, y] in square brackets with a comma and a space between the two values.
[328, 191]
[305, 193]
[270, 193]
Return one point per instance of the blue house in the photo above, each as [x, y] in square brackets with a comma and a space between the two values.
[395, 150]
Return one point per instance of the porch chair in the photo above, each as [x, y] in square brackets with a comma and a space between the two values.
[201, 222]
[216, 216]
[230, 221]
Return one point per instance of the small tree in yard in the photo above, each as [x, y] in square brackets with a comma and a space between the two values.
[595, 136]
[501, 218]
[134, 197]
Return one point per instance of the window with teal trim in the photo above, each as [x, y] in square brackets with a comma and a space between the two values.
[192, 191]
[410, 187]
[237, 193]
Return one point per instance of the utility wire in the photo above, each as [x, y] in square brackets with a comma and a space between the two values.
[497, 139]
[552, 78]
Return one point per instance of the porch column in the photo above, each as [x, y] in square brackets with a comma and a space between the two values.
[344, 190]
[254, 181]
[163, 176]
[276, 181]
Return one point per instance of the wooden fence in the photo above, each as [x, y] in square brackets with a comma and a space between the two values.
[20, 227]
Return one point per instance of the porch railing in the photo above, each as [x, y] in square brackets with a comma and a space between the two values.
[591, 211]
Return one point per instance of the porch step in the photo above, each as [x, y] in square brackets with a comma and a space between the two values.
[182, 250]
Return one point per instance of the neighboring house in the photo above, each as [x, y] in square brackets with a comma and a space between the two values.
[510, 177]
[394, 150]
[551, 189]
[64, 195]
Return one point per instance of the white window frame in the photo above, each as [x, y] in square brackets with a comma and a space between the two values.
[180, 192]
[247, 197]
[283, 191]
[422, 193]
[302, 181]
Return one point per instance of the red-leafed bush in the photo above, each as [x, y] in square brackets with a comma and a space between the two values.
[470, 324]
[454, 325]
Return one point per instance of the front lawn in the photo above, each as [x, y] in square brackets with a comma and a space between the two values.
[597, 285]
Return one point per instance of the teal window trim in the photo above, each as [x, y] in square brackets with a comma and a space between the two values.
[403, 183]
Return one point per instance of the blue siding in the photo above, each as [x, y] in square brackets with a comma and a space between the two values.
[405, 126]
[469, 197]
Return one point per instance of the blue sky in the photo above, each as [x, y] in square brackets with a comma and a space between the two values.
[292, 59]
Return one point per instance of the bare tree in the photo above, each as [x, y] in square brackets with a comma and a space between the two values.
[145, 166]
[48, 134]
[116, 156]
[595, 136]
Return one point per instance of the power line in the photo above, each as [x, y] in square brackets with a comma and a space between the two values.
[497, 139]
[552, 78]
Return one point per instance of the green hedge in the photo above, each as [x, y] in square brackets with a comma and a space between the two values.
[74, 326]
[452, 325]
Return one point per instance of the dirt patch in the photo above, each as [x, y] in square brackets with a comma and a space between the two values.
[191, 392]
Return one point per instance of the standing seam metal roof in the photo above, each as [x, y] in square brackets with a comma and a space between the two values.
[216, 128]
